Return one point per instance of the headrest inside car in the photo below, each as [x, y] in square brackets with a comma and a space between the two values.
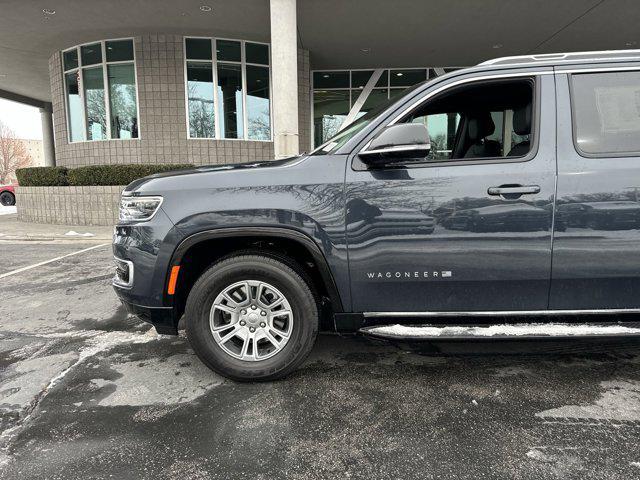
[522, 120]
[480, 126]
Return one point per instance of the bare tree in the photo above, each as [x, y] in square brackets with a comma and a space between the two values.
[13, 154]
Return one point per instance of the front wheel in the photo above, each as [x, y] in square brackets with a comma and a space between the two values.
[7, 199]
[252, 317]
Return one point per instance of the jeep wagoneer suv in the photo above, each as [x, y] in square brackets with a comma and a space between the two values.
[501, 192]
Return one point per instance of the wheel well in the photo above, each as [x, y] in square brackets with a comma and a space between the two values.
[202, 255]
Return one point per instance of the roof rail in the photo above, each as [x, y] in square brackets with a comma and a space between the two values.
[565, 57]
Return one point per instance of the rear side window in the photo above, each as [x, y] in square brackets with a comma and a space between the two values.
[606, 113]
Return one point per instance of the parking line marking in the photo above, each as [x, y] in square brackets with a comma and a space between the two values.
[24, 269]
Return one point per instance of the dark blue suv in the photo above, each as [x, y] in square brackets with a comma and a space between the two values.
[506, 190]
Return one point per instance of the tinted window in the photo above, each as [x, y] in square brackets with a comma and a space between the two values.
[70, 59]
[91, 54]
[119, 50]
[230, 100]
[606, 112]
[96, 117]
[122, 101]
[257, 53]
[258, 117]
[198, 48]
[228, 50]
[200, 99]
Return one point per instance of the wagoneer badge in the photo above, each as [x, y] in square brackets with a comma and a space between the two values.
[407, 275]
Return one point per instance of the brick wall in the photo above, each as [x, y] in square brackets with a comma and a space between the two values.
[163, 129]
[69, 205]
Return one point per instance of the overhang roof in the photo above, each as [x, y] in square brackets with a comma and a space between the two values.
[338, 33]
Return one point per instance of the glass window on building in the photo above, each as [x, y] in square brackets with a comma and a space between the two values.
[230, 101]
[74, 106]
[122, 101]
[96, 115]
[228, 93]
[95, 110]
[336, 92]
[330, 109]
[258, 108]
[200, 100]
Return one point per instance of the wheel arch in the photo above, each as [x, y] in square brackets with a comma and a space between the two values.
[267, 240]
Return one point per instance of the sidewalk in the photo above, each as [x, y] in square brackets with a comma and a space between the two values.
[12, 229]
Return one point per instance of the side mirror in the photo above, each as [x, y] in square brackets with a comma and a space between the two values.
[398, 144]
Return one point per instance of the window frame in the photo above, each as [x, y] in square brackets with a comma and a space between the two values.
[572, 108]
[423, 97]
[216, 101]
[105, 80]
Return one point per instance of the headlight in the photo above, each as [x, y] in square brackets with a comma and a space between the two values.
[139, 209]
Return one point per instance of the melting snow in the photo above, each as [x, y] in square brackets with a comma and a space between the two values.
[545, 329]
[73, 233]
[8, 210]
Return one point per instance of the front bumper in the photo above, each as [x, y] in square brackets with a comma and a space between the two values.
[160, 317]
[142, 254]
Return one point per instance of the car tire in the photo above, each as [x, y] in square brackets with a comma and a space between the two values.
[257, 272]
[7, 199]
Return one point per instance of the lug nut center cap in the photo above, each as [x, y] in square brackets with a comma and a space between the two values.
[253, 318]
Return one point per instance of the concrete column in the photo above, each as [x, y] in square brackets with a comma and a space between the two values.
[284, 77]
[46, 119]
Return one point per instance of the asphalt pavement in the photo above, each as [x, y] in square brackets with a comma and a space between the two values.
[88, 392]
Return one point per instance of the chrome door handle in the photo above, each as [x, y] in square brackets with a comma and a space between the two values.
[514, 190]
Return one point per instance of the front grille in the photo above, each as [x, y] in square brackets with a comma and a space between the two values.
[124, 272]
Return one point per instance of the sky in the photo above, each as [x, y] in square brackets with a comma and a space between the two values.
[22, 119]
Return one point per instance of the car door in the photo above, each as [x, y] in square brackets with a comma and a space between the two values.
[438, 237]
[596, 251]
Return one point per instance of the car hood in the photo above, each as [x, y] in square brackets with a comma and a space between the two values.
[136, 185]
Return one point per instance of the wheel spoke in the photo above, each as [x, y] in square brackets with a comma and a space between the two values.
[221, 328]
[225, 308]
[280, 313]
[230, 300]
[245, 345]
[230, 335]
[271, 338]
[276, 303]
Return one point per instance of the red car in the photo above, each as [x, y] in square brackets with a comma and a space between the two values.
[7, 195]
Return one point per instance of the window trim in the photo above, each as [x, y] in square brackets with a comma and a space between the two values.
[533, 77]
[105, 79]
[216, 101]
[574, 124]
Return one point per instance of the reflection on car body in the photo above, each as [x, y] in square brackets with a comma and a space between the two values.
[619, 215]
[512, 217]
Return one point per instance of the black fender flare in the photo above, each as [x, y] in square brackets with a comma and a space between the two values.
[279, 232]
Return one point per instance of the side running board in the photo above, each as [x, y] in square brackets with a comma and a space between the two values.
[503, 331]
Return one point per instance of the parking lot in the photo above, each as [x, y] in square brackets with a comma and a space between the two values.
[88, 392]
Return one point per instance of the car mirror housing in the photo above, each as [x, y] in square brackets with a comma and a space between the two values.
[398, 144]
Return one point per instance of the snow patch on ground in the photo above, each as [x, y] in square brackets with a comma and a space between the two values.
[8, 210]
[516, 330]
[73, 233]
[620, 400]
[178, 379]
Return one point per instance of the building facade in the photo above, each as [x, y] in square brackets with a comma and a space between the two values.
[171, 101]
[165, 98]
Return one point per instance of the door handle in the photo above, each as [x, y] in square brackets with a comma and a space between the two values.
[514, 190]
